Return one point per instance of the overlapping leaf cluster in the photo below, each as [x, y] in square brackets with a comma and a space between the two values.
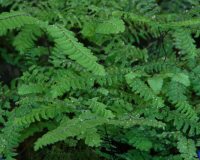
[100, 74]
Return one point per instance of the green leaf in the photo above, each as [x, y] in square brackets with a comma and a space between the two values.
[31, 88]
[88, 29]
[184, 41]
[141, 143]
[135, 74]
[110, 26]
[187, 148]
[181, 78]
[156, 83]
[92, 138]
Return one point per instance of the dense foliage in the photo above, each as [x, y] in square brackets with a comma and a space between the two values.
[99, 79]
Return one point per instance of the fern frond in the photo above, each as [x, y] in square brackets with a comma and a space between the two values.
[182, 122]
[100, 109]
[92, 138]
[146, 7]
[176, 96]
[9, 139]
[12, 20]
[67, 44]
[195, 79]
[130, 54]
[66, 80]
[110, 26]
[156, 67]
[30, 89]
[187, 148]
[36, 128]
[128, 122]
[25, 39]
[71, 128]
[23, 117]
[114, 76]
[185, 43]
[140, 88]
[141, 141]
[45, 112]
[194, 22]
[98, 75]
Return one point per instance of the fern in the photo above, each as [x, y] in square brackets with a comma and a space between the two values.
[99, 79]
[149, 8]
[70, 80]
[14, 20]
[184, 41]
[144, 92]
[31, 33]
[100, 109]
[70, 128]
[143, 143]
[187, 148]
[46, 113]
[110, 26]
[113, 25]
[74, 50]
[177, 97]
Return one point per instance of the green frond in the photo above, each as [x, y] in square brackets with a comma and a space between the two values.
[92, 138]
[184, 42]
[128, 122]
[194, 22]
[13, 20]
[182, 122]
[157, 66]
[140, 88]
[66, 80]
[99, 79]
[176, 94]
[71, 128]
[36, 128]
[138, 19]
[9, 139]
[110, 26]
[130, 54]
[146, 7]
[114, 76]
[25, 40]
[63, 38]
[45, 112]
[194, 76]
[30, 89]
[67, 44]
[141, 141]
[100, 109]
[187, 148]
